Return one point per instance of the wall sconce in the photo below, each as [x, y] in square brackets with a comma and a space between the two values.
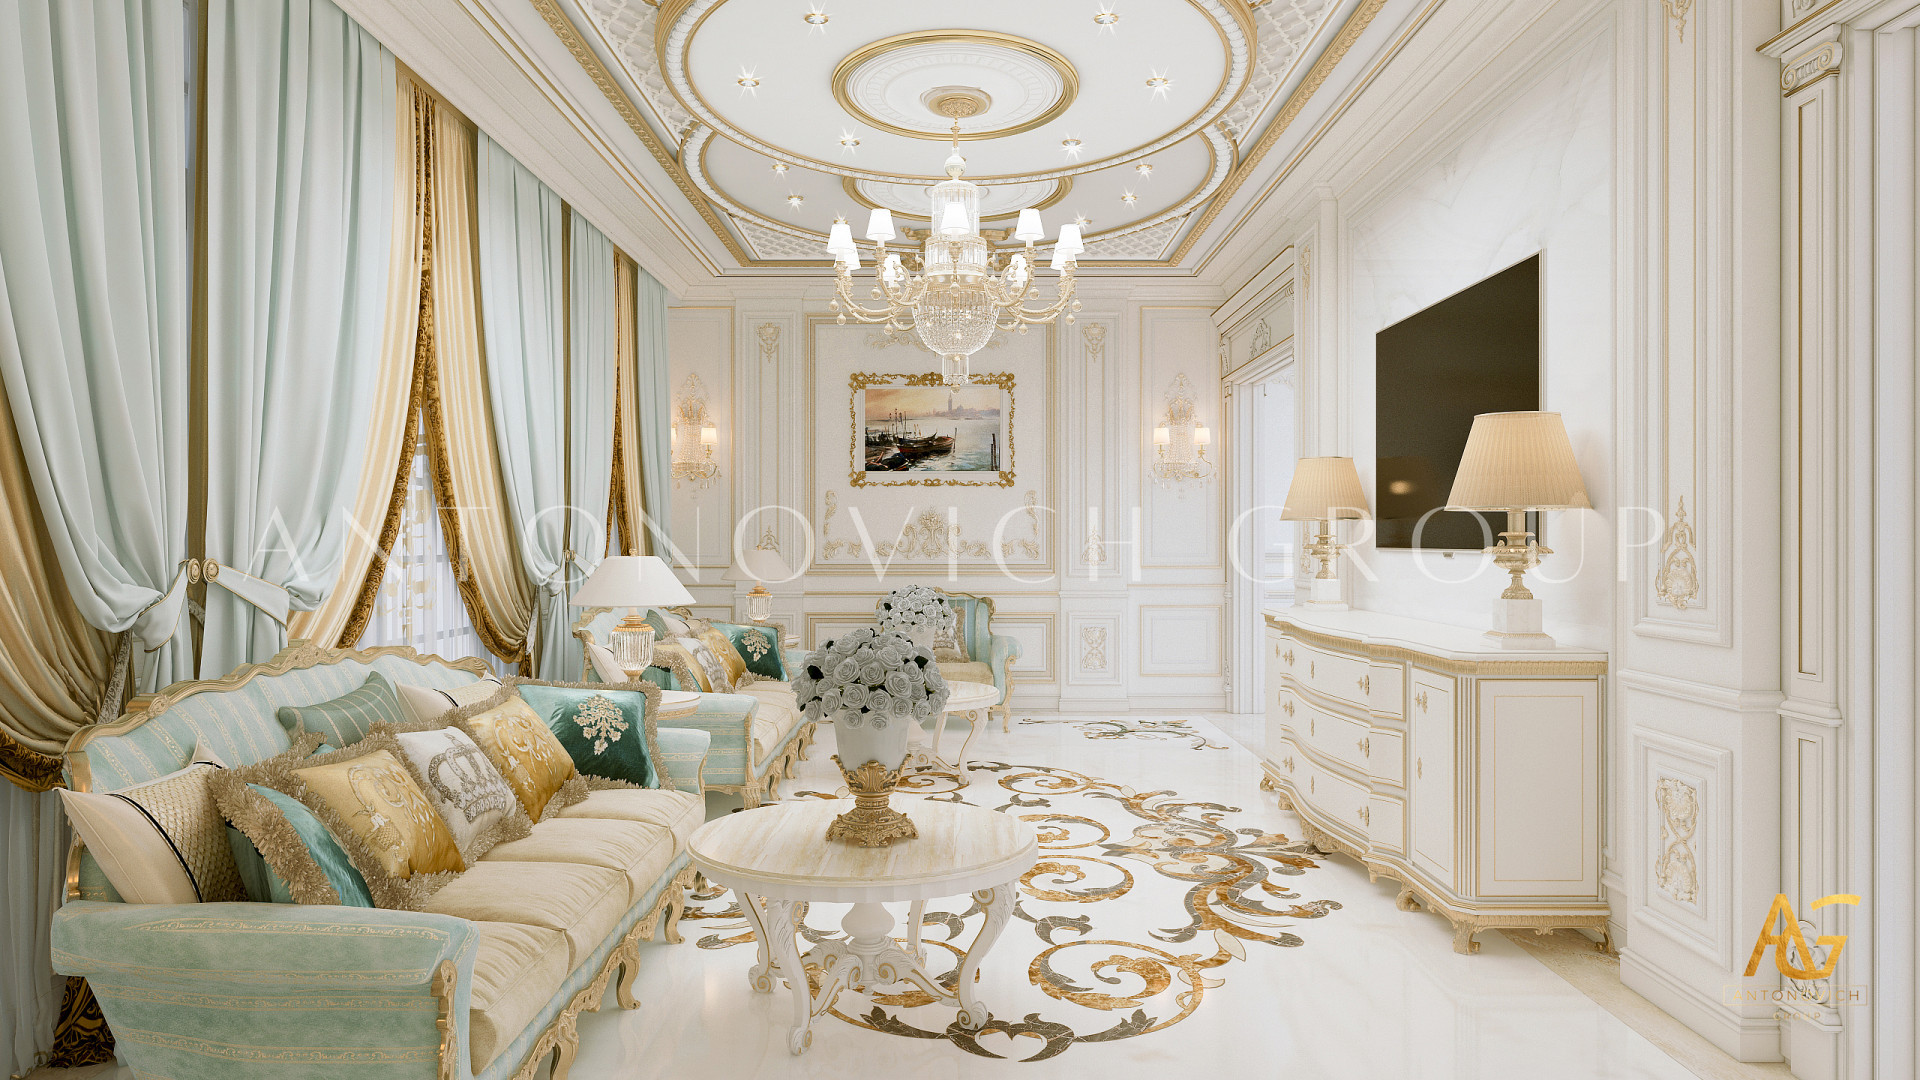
[1180, 441]
[694, 437]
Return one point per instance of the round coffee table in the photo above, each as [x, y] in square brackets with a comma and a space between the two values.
[971, 698]
[777, 858]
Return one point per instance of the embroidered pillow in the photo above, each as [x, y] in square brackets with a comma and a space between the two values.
[375, 810]
[307, 865]
[684, 671]
[608, 733]
[525, 751]
[346, 719]
[425, 704]
[758, 648]
[721, 646]
[466, 790]
[163, 841]
[707, 665]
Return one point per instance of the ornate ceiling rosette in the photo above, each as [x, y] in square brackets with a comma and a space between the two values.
[788, 114]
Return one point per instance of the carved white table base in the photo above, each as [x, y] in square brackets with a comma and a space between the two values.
[975, 701]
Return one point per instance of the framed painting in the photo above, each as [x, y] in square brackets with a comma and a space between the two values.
[914, 430]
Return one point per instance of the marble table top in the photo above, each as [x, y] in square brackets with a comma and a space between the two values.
[781, 851]
[962, 696]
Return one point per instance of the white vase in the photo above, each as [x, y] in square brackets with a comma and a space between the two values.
[863, 740]
[871, 757]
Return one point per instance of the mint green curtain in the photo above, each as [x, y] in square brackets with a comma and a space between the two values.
[655, 393]
[93, 302]
[300, 178]
[592, 358]
[522, 277]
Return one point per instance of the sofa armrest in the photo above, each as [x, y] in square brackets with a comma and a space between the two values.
[276, 990]
[683, 756]
[728, 718]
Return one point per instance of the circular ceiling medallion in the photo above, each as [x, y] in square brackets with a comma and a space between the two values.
[910, 201]
[917, 84]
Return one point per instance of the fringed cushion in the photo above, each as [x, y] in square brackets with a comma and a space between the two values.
[161, 842]
[609, 733]
[527, 754]
[466, 790]
[290, 838]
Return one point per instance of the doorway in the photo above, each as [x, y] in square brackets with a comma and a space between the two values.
[1263, 551]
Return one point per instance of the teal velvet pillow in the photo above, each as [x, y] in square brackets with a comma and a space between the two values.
[604, 731]
[321, 848]
[661, 677]
[759, 646]
[346, 719]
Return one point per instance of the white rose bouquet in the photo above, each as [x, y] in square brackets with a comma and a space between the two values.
[870, 676]
[916, 610]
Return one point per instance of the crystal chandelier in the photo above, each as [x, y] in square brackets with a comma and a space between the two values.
[963, 292]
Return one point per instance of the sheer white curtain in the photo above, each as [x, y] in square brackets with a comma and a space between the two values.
[419, 603]
[33, 836]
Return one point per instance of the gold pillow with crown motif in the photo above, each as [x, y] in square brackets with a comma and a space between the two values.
[527, 753]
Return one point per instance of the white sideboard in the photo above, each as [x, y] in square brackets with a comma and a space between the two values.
[1469, 773]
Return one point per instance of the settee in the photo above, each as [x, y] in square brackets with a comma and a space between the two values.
[485, 983]
[986, 657]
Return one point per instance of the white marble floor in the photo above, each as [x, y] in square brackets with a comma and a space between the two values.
[1370, 991]
[1367, 993]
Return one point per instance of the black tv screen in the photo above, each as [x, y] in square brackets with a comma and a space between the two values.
[1477, 351]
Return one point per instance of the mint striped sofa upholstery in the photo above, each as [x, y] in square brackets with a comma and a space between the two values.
[266, 991]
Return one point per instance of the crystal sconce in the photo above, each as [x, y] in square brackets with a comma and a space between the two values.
[1180, 441]
[694, 437]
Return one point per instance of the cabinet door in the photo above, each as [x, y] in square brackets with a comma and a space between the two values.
[1432, 790]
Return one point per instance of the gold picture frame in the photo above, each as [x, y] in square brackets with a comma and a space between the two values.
[999, 472]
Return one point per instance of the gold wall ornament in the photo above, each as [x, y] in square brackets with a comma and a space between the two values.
[871, 822]
[1676, 871]
[860, 476]
[1093, 645]
[1262, 337]
[1678, 582]
[1180, 440]
[1677, 10]
[1096, 338]
[1810, 67]
[769, 335]
[1095, 551]
[694, 437]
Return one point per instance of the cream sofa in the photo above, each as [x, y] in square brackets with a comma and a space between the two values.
[486, 983]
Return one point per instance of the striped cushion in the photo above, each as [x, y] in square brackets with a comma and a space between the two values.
[346, 719]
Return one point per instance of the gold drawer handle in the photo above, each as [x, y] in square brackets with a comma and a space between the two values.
[1366, 748]
[1419, 766]
[1287, 656]
[1420, 699]
[1286, 706]
[1366, 815]
[1366, 684]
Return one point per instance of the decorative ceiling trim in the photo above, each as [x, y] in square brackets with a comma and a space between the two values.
[674, 38]
[873, 50]
[1061, 189]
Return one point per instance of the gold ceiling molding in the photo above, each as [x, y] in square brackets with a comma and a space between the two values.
[674, 71]
[873, 50]
[670, 10]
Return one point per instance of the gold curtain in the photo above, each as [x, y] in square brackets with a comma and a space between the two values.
[627, 482]
[342, 616]
[466, 464]
[53, 666]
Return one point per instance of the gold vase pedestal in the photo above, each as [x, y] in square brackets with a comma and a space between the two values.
[872, 822]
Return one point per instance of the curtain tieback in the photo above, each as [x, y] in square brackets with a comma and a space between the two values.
[555, 583]
[154, 626]
[272, 600]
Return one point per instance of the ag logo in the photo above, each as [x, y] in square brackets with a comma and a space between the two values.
[1790, 935]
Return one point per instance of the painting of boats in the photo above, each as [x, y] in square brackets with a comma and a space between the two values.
[921, 429]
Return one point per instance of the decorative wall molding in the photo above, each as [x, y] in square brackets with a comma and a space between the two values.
[1810, 67]
[1096, 338]
[1676, 872]
[1262, 337]
[1095, 551]
[931, 533]
[1678, 582]
[1677, 10]
[1093, 648]
[769, 335]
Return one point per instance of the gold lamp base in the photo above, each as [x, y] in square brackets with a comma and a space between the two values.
[871, 822]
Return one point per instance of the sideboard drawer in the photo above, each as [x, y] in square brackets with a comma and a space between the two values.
[1345, 678]
[1337, 798]
[1432, 695]
[1386, 756]
[1339, 737]
[1386, 690]
[1387, 822]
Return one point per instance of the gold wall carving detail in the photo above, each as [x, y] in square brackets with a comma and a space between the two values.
[1678, 10]
[1810, 67]
[769, 335]
[1676, 872]
[1678, 583]
[1093, 646]
[930, 533]
[1096, 338]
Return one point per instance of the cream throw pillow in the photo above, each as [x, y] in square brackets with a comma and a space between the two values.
[605, 664]
[464, 788]
[425, 704]
[161, 842]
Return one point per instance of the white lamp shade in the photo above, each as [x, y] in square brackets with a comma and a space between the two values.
[1203, 436]
[632, 581]
[954, 219]
[760, 564]
[1060, 259]
[880, 225]
[1029, 229]
[1162, 436]
[1323, 489]
[1518, 461]
[1069, 242]
[840, 239]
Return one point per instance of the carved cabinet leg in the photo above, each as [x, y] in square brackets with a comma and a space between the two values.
[1407, 901]
[1463, 942]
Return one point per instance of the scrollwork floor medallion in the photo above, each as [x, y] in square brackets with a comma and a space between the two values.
[1140, 904]
[1131, 728]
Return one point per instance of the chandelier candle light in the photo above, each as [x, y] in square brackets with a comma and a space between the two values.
[960, 296]
[1325, 489]
[632, 582]
[1518, 461]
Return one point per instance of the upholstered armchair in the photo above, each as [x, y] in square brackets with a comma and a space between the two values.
[989, 656]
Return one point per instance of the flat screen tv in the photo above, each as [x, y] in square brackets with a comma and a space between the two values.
[1477, 351]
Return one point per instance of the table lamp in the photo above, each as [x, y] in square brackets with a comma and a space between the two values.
[632, 582]
[1325, 489]
[759, 566]
[1518, 461]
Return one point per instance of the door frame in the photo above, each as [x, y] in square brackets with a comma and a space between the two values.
[1246, 674]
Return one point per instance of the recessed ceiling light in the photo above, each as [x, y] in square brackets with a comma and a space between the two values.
[1159, 83]
[1145, 169]
[1072, 147]
[795, 200]
[749, 84]
[849, 142]
[1082, 220]
[816, 19]
[779, 168]
[1105, 19]
[1129, 198]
